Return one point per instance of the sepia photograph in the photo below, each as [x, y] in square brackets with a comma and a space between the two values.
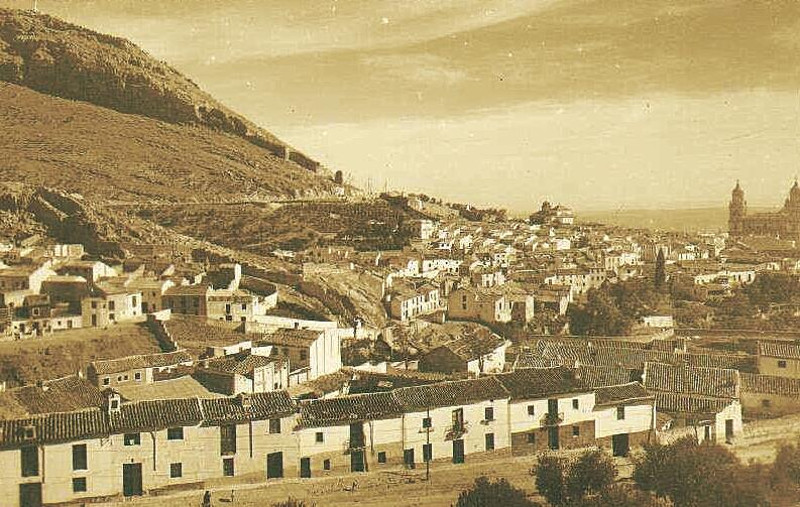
[413, 253]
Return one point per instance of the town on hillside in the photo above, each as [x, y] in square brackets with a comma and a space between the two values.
[486, 337]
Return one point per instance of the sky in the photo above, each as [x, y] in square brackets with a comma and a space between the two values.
[596, 104]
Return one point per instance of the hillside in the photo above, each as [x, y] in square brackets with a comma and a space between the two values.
[107, 155]
[58, 58]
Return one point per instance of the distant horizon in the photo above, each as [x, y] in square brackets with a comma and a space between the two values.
[500, 102]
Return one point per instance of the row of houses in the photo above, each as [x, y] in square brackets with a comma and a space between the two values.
[125, 448]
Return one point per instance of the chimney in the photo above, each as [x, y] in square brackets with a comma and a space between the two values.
[245, 400]
[113, 402]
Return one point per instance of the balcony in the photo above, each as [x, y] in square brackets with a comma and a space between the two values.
[457, 431]
[552, 419]
[354, 446]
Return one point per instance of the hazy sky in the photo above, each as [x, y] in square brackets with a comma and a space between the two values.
[593, 103]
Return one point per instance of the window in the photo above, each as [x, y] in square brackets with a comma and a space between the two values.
[576, 431]
[490, 441]
[382, 457]
[244, 306]
[227, 439]
[227, 467]
[488, 414]
[326, 464]
[79, 461]
[766, 403]
[575, 404]
[531, 437]
[112, 305]
[620, 413]
[176, 470]
[458, 419]
[132, 439]
[274, 426]
[531, 410]
[320, 437]
[94, 305]
[426, 422]
[79, 485]
[106, 381]
[303, 355]
[781, 364]
[114, 404]
[30, 461]
[126, 378]
[175, 433]
[137, 375]
[427, 452]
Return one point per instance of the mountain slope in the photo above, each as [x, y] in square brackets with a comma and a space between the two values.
[58, 58]
[106, 155]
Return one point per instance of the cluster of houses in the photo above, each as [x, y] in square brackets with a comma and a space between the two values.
[48, 289]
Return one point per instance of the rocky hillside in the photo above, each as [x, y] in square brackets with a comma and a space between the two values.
[58, 58]
[105, 155]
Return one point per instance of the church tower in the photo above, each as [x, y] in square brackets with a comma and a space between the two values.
[736, 211]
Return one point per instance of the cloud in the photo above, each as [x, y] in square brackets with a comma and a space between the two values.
[421, 69]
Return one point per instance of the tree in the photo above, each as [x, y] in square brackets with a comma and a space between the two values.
[488, 494]
[691, 474]
[571, 482]
[293, 502]
[661, 274]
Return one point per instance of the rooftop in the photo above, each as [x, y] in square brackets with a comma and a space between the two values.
[157, 360]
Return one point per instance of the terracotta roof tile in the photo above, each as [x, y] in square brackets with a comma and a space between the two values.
[141, 361]
[532, 383]
[619, 395]
[687, 379]
[262, 406]
[152, 415]
[787, 350]
[348, 409]
[768, 384]
[450, 394]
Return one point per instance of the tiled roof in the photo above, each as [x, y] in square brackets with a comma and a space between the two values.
[241, 364]
[531, 383]
[768, 384]
[60, 395]
[787, 350]
[601, 376]
[450, 394]
[54, 427]
[347, 409]
[291, 337]
[141, 361]
[621, 394]
[187, 290]
[262, 406]
[370, 382]
[678, 403]
[156, 414]
[692, 380]
[469, 347]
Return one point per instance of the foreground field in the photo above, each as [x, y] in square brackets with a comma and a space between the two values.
[409, 488]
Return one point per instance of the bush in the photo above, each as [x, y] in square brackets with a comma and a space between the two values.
[293, 502]
[570, 482]
[489, 494]
[786, 470]
[691, 474]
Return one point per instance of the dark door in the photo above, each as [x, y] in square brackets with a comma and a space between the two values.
[275, 465]
[620, 444]
[408, 458]
[30, 495]
[552, 437]
[357, 461]
[458, 451]
[305, 468]
[728, 430]
[132, 479]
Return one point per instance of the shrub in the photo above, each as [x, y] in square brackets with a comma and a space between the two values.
[569, 482]
[489, 494]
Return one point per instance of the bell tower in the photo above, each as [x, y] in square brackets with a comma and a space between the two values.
[737, 209]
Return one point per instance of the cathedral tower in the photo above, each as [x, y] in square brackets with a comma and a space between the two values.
[736, 211]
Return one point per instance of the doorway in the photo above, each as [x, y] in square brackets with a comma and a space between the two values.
[357, 461]
[30, 495]
[458, 451]
[132, 479]
[275, 465]
[620, 444]
[552, 438]
[305, 468]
